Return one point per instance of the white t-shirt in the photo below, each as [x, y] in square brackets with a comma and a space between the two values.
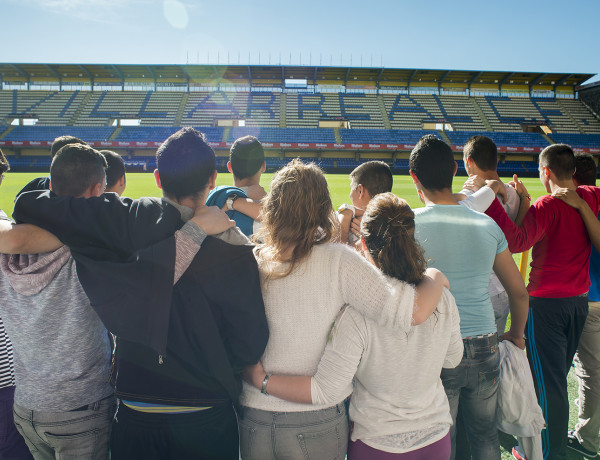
[513, 202]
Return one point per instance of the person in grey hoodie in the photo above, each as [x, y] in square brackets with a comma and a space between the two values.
[64, 402]
[12, 446]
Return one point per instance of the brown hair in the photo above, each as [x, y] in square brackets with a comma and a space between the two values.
[4, 166]
[297, 213]
[388, 227]
[560, 159]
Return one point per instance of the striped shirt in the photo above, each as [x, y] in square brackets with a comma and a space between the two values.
[7, 371]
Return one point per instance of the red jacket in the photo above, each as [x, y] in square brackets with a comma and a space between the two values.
[561, 246]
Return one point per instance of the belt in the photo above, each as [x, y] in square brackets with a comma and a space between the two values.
[480, 344]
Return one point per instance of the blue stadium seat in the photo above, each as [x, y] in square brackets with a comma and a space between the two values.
[49, 133]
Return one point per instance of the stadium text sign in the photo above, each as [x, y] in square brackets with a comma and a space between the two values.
[287, 145]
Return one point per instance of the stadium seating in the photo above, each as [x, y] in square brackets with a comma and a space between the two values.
[577, 140]
[49, 133]
[382, 136]
[501, 138]
[277, 117]
[160, 133]
[284, 134]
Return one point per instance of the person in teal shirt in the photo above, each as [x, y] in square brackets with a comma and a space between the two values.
[465, 245]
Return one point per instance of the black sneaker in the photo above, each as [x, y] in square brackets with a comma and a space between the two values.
[574, 444]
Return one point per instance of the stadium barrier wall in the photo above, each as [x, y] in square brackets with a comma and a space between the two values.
[285, 145]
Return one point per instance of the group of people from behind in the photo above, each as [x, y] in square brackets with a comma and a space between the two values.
[401, 321]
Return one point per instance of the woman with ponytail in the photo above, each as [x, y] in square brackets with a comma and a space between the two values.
[398, 405]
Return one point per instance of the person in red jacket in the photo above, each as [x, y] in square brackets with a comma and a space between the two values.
[558, 286]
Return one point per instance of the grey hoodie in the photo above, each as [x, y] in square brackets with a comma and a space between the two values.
[61, 348]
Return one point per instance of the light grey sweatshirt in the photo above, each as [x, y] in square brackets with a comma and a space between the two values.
[61, 348]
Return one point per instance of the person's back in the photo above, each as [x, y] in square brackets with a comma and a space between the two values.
[398, 379]
[480, 158]
[45, 331]
[13, 445]
[585, 438]
[246, 163]
[398, 404]
[561, 247]
[397, 383]
[306, 281]
[558, 285]
[180, 392]
[367, 180]
[462, 244]
[61, 348]
[465, 245]
[560, 257]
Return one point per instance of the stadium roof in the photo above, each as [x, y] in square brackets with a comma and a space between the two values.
[275, 75]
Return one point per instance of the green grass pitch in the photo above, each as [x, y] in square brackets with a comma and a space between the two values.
[142, 184]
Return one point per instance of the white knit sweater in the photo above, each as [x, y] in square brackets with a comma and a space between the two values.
[302, 307]
[398, 403]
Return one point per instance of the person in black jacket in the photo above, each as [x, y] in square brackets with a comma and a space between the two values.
[180, 348]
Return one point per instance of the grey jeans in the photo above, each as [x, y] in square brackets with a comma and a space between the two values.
[307, 435]
[473, 385]
[587, 368]
[71, 435]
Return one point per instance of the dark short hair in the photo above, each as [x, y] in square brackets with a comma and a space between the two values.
[185, 163]
[75, 168]
[560, 159]
[375, 176]
[483, 151]
[432, 161]
[246, 156]
[61, 141]
[4, 166]
[585, 169]
[115, 169]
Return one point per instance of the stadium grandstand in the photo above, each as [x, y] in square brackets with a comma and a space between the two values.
[337, 116]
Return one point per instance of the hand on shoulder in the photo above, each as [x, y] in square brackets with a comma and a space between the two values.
[212, 220]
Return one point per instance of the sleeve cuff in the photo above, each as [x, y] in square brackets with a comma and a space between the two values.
[194, 232]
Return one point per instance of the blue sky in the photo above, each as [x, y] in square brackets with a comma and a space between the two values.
[525, 35]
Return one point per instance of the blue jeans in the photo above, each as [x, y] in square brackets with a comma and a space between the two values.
[307, 435]
[473, 385]
[71, 435]
[12, 445]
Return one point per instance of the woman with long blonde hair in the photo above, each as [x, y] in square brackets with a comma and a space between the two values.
[307, 280]
[398, 407]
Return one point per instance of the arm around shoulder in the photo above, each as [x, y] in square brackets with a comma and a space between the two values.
[26, 239]
[592, 224]
[387, 301]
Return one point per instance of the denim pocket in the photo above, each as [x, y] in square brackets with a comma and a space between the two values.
[489, 376]
[78, 445]
[323, 445]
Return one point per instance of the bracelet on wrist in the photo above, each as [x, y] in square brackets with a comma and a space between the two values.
[263, 389]
[525, 195]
